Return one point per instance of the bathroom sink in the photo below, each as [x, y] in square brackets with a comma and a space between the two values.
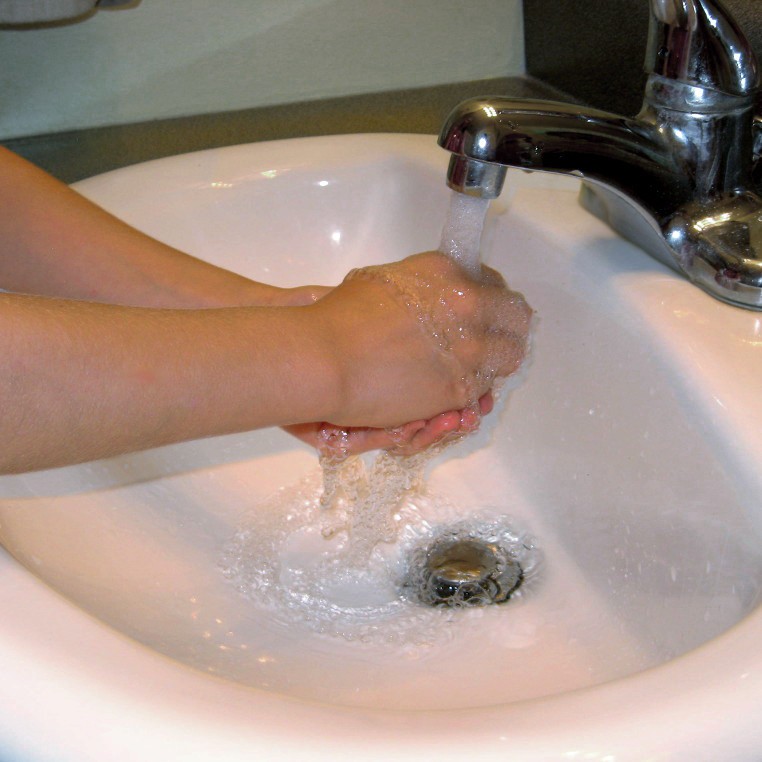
[630, 452]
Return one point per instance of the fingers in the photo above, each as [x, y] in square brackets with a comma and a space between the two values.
[448, 426]
[414, 437]
[435, 431]
[338, 443]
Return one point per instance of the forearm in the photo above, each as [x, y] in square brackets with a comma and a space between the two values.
[57, 243]
[81, 381]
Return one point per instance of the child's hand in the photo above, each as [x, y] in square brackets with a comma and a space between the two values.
[408, 439]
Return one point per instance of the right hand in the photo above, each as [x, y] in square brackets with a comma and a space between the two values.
[418, 337]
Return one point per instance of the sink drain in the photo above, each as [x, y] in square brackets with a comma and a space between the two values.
[461, 567]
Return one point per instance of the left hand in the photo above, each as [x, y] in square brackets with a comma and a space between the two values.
[411, 438]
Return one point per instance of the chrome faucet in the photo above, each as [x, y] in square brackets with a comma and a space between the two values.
[678, 179]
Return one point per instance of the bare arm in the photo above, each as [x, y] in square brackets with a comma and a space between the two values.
[83, 377]
[57, 243]
[84, 380]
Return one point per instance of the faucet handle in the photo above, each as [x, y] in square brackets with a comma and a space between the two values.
[698, 43]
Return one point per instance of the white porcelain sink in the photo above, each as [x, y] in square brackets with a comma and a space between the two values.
[631, 452]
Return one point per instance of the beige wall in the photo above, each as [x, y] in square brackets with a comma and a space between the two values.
[167, 58]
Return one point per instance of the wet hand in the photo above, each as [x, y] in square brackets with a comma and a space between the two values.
[409, 439]
[417, 337]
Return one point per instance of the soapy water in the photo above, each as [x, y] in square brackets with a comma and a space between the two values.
[331, 552]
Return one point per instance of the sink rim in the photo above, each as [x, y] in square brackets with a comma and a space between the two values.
[220, 712]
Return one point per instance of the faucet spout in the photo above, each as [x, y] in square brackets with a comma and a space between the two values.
[679, 179]
[626, 154]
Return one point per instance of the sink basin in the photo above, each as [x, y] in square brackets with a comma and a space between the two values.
[630, 453]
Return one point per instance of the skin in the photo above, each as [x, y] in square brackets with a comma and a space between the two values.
[408, 439]
[114, 342]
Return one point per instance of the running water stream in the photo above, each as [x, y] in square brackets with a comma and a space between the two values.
[462, 231]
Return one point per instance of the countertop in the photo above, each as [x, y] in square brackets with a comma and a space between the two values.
[74, 155]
